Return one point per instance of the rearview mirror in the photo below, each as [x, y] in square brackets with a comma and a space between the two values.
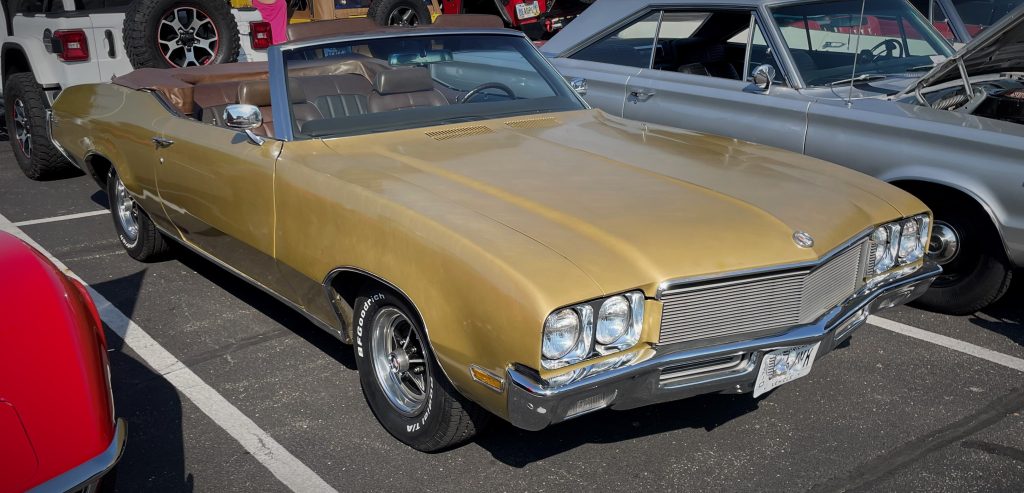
[763, 76]
[242, 116]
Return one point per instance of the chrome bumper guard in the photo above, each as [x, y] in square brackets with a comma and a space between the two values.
[56, 145]
[664, 373]
[87, 475]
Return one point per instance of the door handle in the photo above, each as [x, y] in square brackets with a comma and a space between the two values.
[638, 94]
[108, 35]
[162, 143]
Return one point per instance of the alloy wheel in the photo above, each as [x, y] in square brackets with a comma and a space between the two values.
[403, 16]
[399, 362]
[22, 129]
[127, 213]
[187, 37]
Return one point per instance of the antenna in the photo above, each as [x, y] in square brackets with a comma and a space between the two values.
[856, 53]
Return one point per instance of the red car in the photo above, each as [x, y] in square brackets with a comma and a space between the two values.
[57, 426]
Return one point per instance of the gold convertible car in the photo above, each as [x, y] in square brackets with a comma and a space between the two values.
[443, 201]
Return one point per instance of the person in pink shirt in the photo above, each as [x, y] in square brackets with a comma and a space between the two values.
[276, 13]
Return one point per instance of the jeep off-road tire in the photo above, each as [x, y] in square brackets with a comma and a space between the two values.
[148, 22]
[399, 12]
[979, 274]
[135, 230]
[25, 104]
[394, 360]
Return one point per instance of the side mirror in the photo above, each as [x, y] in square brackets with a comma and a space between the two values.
[242, 116]
[763, 76]
[579, 85]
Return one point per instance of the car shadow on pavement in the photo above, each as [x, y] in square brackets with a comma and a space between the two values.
[100, 198]
[1006, 317]
[154, 456]
[519, 448]
[267, 305]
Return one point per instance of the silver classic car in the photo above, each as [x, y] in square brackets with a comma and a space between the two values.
[867, 84]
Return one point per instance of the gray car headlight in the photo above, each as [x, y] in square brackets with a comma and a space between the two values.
[570, 333]
[899, 243]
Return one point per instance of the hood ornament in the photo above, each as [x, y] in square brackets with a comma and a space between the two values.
[802, 239]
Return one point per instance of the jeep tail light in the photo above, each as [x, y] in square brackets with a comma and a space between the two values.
[259, 35]
[71, 45]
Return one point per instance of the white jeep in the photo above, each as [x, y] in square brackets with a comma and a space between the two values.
[47, 45]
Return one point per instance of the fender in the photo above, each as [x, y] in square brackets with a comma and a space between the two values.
[33, 51]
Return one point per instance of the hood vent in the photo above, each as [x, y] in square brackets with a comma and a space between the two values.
[533, 123]
[455, 133]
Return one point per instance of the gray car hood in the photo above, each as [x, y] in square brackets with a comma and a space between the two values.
[999, 48]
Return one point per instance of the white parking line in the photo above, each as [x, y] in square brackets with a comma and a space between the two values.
[61, 218]
[281, 463]
[948, 342]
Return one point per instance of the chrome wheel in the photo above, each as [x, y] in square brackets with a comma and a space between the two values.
[187, 37]
[403, 16]
[944, 244]
[399, 363]
[22, 129]
[127, 214]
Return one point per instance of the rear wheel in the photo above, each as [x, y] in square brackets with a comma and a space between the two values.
[134, 228]
[402, 381]
[180, 33]
[25, 102]
[976, 272]
[399, 12]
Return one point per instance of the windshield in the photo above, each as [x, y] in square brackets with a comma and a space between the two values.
[979, 14]
[410, 81]
[827, 39]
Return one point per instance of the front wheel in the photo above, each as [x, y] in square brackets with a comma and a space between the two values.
[409, 13]
[975, 271]
[403, 383]
[134, 228]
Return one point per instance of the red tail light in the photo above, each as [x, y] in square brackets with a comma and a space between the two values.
[259, 35]
[71, 45]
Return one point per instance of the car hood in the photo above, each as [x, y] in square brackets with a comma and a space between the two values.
[631, 205]
[999, 48]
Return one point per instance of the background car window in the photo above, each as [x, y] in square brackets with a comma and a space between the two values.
[702, 43]
[27, 6]
[629, 46]
[100, 4]
[933, 11]
[979, 14]
[760, 54]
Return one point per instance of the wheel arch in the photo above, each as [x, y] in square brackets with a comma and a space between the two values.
[98, 167]
[343, 285]
[927, 189]
[15, 60]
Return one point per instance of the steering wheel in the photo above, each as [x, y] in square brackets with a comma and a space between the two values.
[488, 85]
[887, 48]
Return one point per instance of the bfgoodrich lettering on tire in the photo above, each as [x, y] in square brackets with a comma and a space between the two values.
[401, 380]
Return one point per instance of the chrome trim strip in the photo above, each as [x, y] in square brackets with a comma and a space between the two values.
[312, 318]
[49, 135]
[679, 282]
[91, 470]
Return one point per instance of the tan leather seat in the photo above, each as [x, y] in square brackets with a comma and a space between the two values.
[211, 99]
[404, 88]
[257, 93]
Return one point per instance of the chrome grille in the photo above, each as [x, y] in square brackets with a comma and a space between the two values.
[734, 307]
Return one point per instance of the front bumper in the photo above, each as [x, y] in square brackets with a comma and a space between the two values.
[86, 477]
[662, 373]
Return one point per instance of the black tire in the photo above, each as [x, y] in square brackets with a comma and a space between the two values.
[399, 12]
[24, 100]
[979, 274]
[144, 23]
[148, 244]
[444, 418]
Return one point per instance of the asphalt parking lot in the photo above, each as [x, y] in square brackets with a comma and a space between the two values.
[886, 412]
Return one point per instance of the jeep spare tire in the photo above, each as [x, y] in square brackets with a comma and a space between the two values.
[409, 13]
[180, 33]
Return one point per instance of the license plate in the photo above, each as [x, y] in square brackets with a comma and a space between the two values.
[783, 366]
[527, 10]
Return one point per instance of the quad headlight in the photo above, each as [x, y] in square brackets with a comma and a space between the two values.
[899, 243]
[574, 333]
